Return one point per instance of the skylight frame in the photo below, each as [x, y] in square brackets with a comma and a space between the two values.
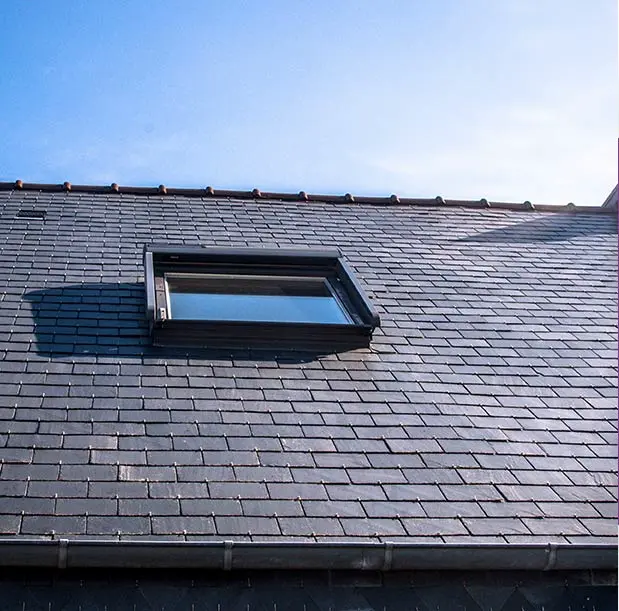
[326, 282]
[165, 330]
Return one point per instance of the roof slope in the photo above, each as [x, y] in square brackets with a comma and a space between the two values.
[484, 411]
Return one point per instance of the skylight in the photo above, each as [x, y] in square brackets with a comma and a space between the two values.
[254, 298]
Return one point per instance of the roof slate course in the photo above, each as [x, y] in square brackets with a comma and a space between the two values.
[484, 408]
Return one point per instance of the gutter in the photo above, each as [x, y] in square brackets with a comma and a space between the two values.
[229, 555]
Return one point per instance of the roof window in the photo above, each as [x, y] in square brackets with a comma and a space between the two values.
[246, 297]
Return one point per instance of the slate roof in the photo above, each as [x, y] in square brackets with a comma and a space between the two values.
[307, 590]
[484, 411]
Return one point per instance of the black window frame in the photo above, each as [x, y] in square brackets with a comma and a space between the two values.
[162, 259]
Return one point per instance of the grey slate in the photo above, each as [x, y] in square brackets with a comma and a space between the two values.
[485, 408]
[72, 590]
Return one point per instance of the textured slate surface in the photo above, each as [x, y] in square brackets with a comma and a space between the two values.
[485, 409]
[309, 591]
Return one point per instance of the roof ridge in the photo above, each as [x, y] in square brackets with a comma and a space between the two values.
[301, 196]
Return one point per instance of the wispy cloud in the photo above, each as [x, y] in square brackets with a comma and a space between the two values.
[528, 151]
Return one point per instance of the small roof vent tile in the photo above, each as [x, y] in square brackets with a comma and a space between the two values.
[32, 214]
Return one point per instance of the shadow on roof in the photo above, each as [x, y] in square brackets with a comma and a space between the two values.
[109, 319]
[550, 228]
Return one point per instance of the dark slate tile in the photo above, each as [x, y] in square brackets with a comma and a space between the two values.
[112, 457]
[129, 473]
[48, 489]
[264, 508]
[440, 509]
[332, 508]
[320, 475]
[173, 490]
[58, 525]
[82, 506]
[365, 446]
[247, 525]
[122, 490]
[496, 526]
[87, 472]
[229, 458]
[413, 492]
[374, 527]
[27, 440]
[356, 492]
[434, 527]
[541, 477]
[112, 525]
[297, 491]
[144, 443]
[10, 524]
[341, 459]
[410, 462]
[208, 506]
[528, 493]
[290, 459]
[414, 446]
[599, 527]
[584, 493]
[145, 507]
[156, 458]
[605, 509]
[394, 509]
[202, 474]
[608, 465]
[556, 526]
[244, 490]
[308, 444]
[23, 471]
[465, 492]
[376, 476]
[196, 525]
[268, 444]
[262, 474]
[423, 475]
[27, 506]
[18, 455]
[449, 460]
[504, 462]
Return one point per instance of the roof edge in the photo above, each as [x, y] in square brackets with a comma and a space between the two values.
[229, 555]
[611, 201]
[301, 196]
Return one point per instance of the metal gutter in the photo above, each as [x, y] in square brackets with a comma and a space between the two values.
[229, 555]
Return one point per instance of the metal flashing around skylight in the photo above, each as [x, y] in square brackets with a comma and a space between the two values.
[255, 298]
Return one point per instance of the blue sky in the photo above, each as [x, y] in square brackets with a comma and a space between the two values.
[504, 99]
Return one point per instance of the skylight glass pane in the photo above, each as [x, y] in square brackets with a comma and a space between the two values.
[253, 299]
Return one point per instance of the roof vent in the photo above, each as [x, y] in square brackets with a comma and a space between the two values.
[32, 214]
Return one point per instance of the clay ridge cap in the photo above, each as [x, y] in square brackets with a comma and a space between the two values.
[301, 196]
